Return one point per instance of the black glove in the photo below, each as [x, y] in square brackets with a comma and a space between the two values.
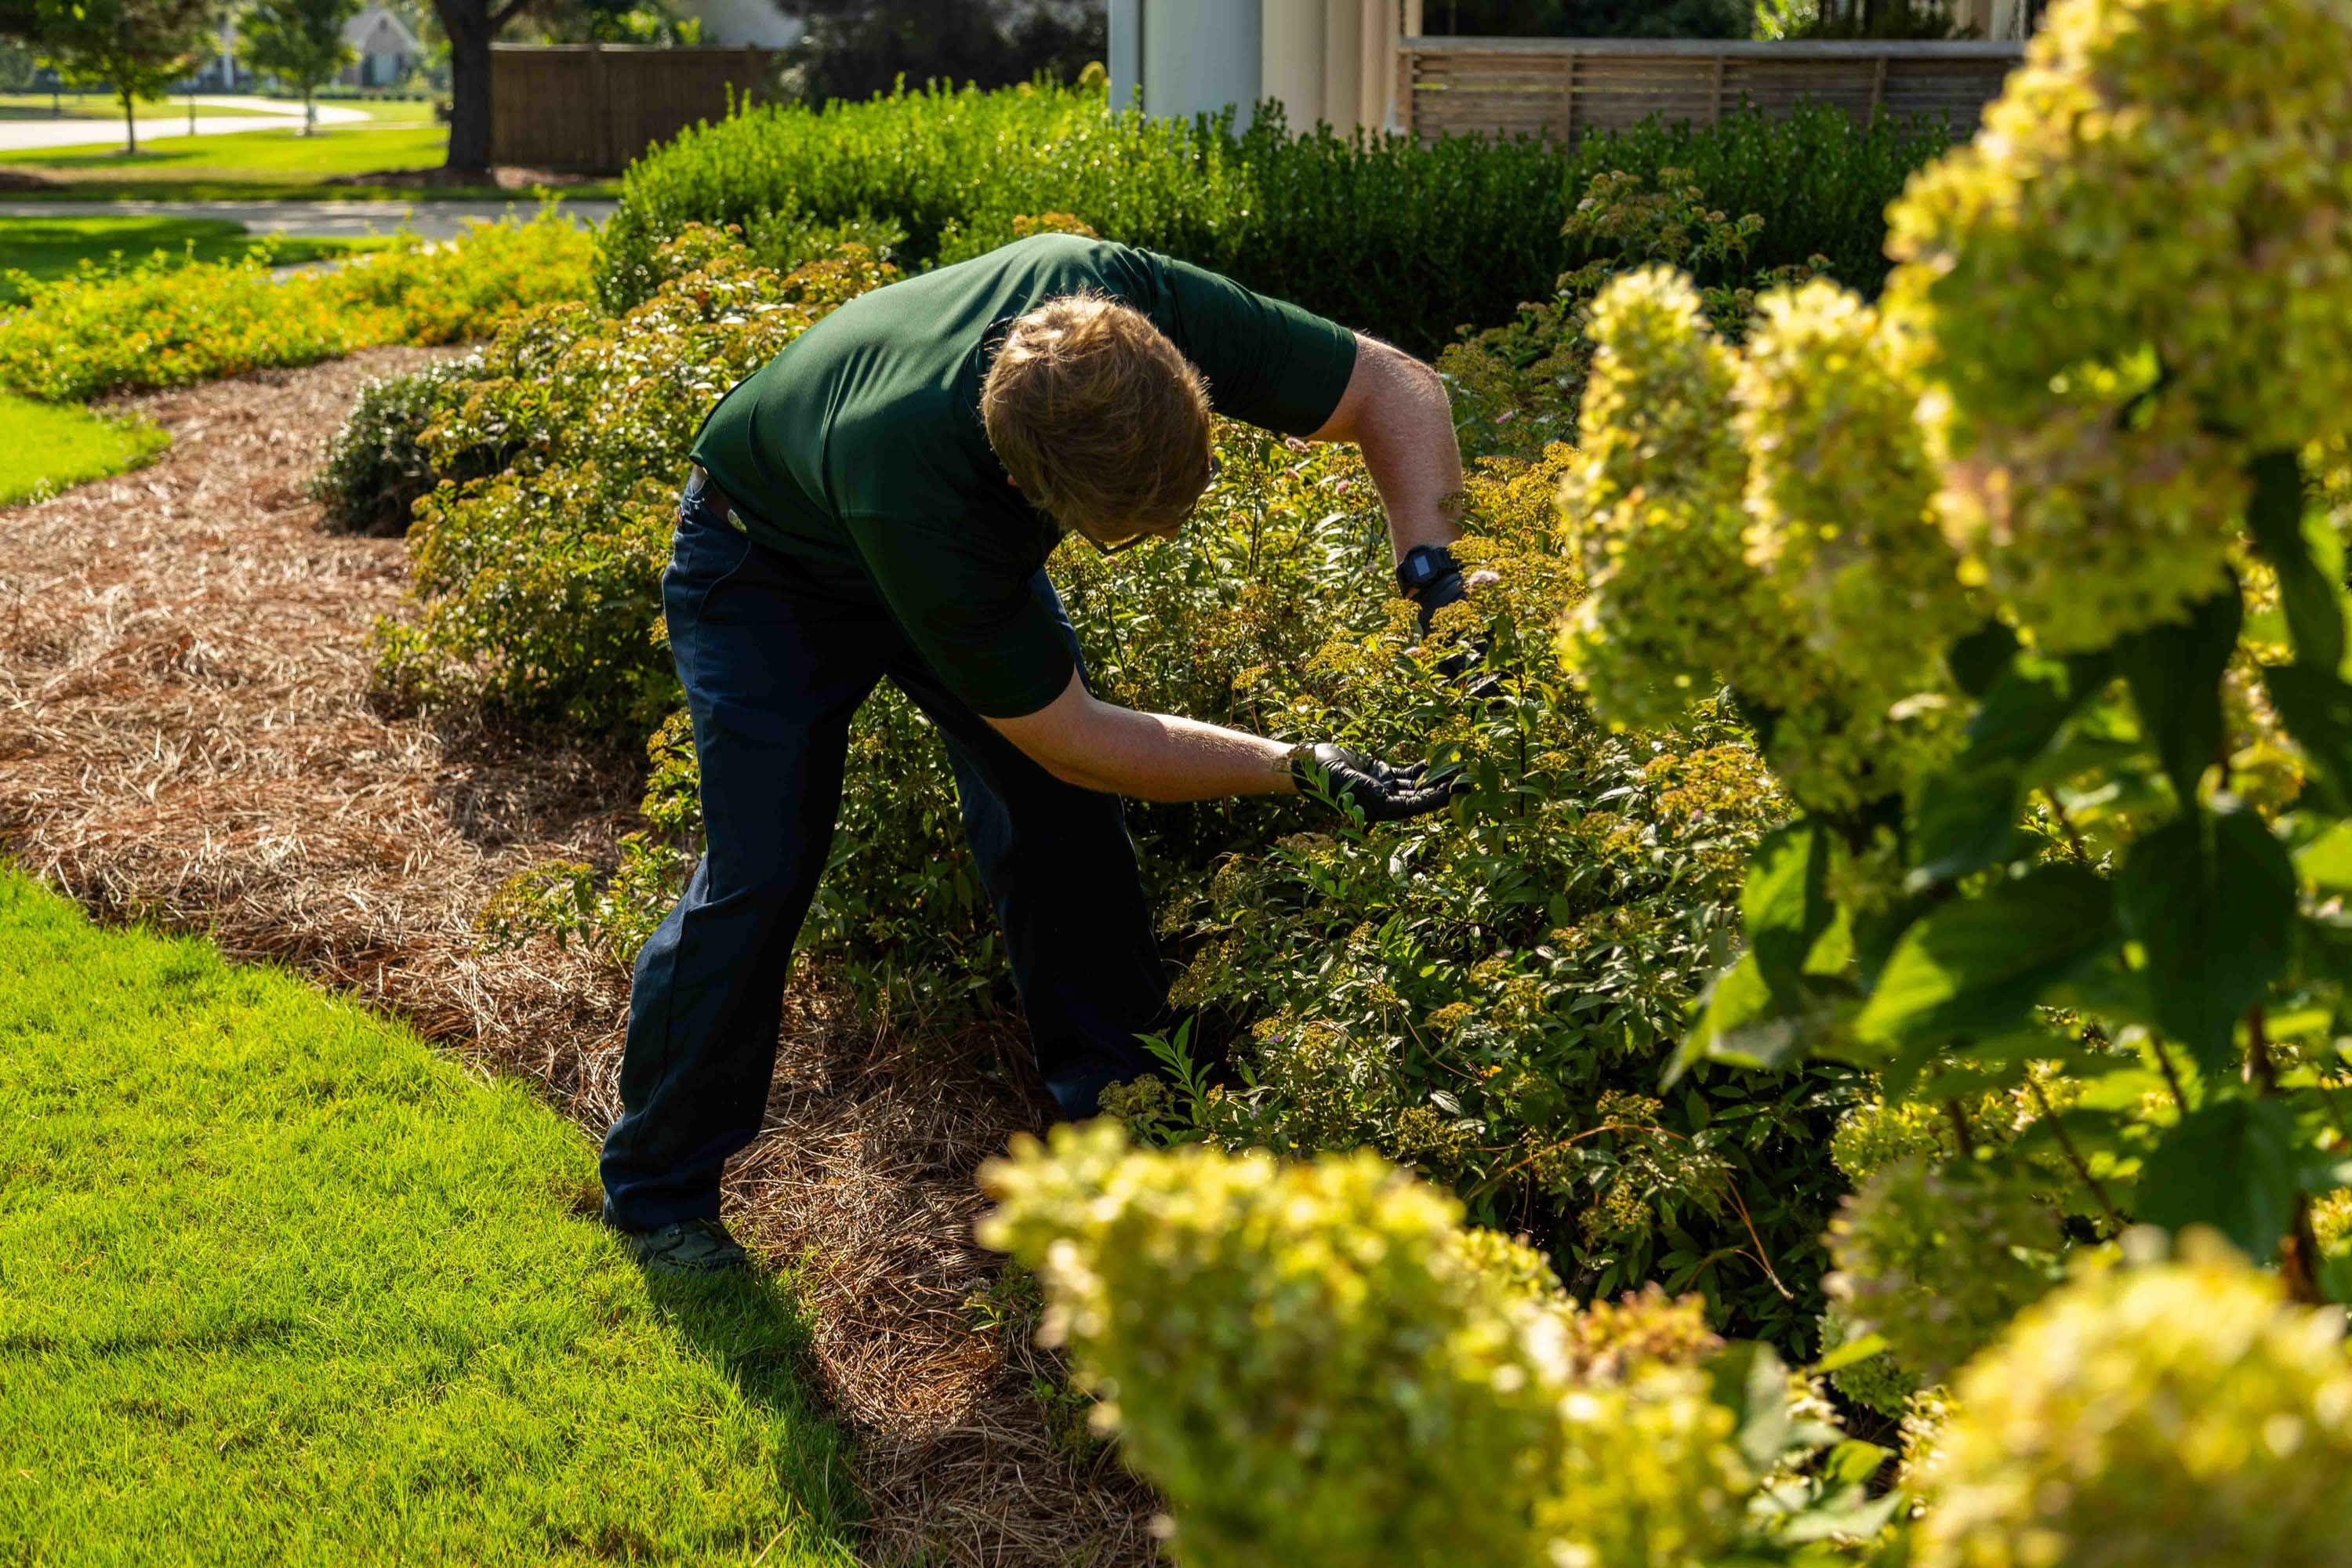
[1381, 792]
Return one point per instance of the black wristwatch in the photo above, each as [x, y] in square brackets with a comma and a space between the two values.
[1423, 566]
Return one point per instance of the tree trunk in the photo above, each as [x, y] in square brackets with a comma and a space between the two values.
[309, 112]
[130, 125]
[469, 99]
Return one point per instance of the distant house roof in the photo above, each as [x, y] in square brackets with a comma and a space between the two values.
[378, 30]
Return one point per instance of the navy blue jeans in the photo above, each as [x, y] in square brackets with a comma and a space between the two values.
[773, 670]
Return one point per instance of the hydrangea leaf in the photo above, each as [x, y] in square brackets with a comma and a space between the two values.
[2211, 896]
[1977, 966]
[2230, 1166]
[2175, 674]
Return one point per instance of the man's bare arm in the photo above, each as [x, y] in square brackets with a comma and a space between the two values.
[1396, 410]
[1098, 745]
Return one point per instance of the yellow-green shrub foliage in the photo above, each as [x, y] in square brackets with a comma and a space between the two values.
[538, 588]
[1516, 387]
[1314, 1366]
[2179, 1412]
[165, 325]
[1878, 1382]
[2140, 273]
[1937, 1257]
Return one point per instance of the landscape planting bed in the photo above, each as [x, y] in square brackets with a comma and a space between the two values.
[185, 737]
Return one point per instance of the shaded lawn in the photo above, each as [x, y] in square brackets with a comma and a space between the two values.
[278, 1284]
[52, 447]
[52, 248]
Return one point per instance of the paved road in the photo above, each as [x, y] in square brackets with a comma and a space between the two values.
[48, 136]
[318, 220]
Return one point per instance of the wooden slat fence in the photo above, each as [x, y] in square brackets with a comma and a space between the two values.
[594, 107]
[1563, 88]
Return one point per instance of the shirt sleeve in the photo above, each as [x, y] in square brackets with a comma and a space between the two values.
[1268, 362]
[973, 616]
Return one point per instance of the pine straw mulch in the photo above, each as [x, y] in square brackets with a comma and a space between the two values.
[186, 739]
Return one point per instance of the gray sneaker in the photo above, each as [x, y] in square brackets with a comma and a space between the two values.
[689, 1247]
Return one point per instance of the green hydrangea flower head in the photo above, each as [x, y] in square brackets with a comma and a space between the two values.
[2088, 523]
[2175, 1411]
[1938, 1257]
[1650, 507]
[2165, 187]
[1842, 488]
[1316, 1365]
[2137, 274]
[1653, 505]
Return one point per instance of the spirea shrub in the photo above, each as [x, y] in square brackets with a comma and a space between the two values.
[376, 467]
[164, 325]
[2176, 1412]
[1488, 995]
[1515, 387]
[537, 589]
[1315, 1364]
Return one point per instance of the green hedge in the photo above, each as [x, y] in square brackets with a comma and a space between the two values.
[1380, 232]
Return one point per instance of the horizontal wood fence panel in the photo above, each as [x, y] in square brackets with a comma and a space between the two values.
[1564, 86]
[593, 108]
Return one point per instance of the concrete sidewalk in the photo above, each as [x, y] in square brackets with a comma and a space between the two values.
[161, 125]
[321, 220]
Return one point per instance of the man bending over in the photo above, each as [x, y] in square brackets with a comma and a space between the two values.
[879, 501]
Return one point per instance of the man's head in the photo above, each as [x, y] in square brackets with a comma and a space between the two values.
[1098, 420]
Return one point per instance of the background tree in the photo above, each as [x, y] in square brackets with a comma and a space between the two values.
[300, 42]
[854, 48]
[472, 26]
[138, 48]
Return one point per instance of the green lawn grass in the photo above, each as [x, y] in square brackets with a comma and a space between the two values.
[279, 1284]
[52, 248]
[159, 110]
[274, 164]
[278, 152]
[100, 105]
[51, 446]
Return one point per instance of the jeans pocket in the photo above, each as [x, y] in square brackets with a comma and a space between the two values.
[701, 548]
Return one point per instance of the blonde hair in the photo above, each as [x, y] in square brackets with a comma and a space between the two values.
[1098, 418]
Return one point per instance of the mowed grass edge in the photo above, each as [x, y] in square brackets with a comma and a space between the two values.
[54, 445]
[279, 1283]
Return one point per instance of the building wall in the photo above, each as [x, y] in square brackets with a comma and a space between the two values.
[755, 23]
[1330, 60]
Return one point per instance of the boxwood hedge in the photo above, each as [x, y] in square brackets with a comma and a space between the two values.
[1378, 231]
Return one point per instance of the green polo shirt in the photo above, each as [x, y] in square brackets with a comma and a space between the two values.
[859, 451]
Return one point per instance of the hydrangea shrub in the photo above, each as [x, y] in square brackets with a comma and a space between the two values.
[2031, 583]
[1317, 1365]
[2175, 1411]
